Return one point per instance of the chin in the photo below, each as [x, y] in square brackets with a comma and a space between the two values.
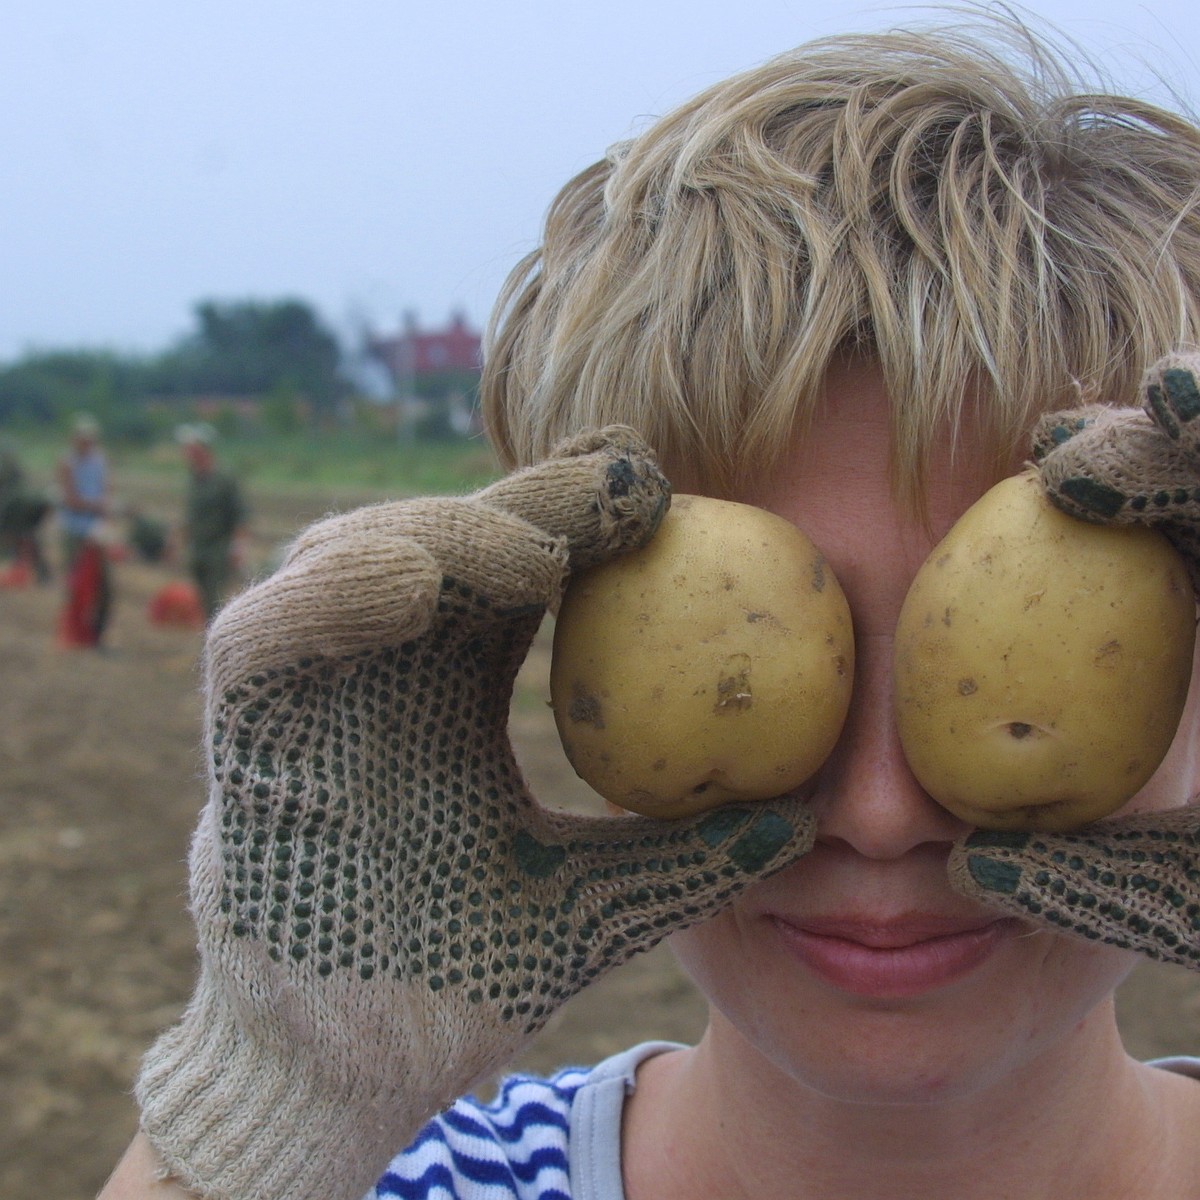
[897, 1063]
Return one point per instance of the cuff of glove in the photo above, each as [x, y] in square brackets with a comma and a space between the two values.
[239, 1116]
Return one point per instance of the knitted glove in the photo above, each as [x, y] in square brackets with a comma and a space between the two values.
[1128, 881]
[385, 914]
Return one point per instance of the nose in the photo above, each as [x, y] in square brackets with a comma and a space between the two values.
[866, 797]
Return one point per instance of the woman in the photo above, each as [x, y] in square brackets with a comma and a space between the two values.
[842, 287]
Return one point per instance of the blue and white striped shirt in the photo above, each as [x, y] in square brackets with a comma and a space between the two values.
[557, 1138]
[542, 1139]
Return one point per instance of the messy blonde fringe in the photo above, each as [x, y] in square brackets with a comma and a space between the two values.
[953, 203]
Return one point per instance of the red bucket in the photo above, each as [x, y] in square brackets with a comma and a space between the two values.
[176, 604]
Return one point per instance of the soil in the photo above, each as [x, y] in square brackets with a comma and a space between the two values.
[99, 791]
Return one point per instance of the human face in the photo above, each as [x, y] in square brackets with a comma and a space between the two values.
[198, 456]
[857, 972]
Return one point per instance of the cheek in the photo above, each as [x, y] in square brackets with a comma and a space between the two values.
[704, 949]
[1074, 986]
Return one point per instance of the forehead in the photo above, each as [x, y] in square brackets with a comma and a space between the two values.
[851, 423]
[846, 457]
[836, 483]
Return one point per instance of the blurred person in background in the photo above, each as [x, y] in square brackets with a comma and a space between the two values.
[84, 502]
[214, 527]
[23, 510]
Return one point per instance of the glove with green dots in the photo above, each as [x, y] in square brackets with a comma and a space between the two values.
[1132, 466]
[1128, 881]
[385, 914]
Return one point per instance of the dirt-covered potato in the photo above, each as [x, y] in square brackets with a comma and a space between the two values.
[714, 664]
[1041, 663]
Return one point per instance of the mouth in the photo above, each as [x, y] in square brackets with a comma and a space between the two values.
[893, 959]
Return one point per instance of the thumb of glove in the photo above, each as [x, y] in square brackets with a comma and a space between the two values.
[1132, 882]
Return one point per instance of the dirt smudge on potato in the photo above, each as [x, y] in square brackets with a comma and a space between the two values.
[733, 686]
[585, 707]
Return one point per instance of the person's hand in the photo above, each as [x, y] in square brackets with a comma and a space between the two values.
[385, 914]
[1132, 466]
[1127, 881]
[1132, 882]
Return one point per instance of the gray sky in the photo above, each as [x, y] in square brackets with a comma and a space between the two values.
[370, 156]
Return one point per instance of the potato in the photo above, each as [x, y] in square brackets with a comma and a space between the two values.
[1041, 663]
[714, 664]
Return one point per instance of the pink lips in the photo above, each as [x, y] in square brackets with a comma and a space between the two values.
[895, 959]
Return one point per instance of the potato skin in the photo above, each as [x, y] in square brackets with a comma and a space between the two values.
[714, 664]
[1041, 663]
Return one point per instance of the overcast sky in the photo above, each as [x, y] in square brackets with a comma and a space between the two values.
[369, 156]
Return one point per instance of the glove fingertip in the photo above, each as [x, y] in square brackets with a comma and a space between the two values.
[757, 839]
[993, 875]
[1171, 397]
[609, 437]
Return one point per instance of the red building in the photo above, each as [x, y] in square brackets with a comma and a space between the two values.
[435, 375]
[417, 358]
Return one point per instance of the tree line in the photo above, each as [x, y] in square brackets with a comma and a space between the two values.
[278, 352]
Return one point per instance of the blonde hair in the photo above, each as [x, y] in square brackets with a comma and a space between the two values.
[950, 202]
